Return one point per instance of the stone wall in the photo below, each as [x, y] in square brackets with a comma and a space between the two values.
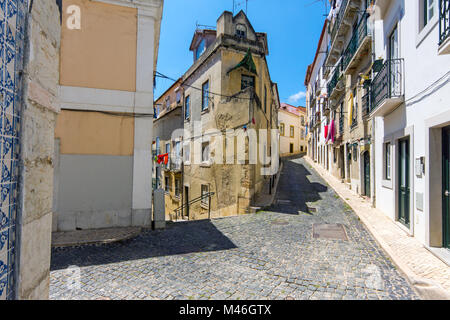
[39, 112]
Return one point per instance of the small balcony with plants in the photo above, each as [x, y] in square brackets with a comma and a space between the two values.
[444, 26]
[387, 88]
[359, 46]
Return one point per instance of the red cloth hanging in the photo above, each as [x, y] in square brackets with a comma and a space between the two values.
[163, 158]
[326, 131]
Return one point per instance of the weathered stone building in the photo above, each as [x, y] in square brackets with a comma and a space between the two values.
[227, 93]
[169, 122]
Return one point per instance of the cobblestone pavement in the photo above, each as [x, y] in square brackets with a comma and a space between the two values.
[268, 255]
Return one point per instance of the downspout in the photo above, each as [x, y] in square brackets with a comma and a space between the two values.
[372, 138]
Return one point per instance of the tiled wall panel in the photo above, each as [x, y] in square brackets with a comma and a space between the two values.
[12, 27]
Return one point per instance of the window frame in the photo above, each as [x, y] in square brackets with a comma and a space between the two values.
[206, 146]
[205, 201]
[187, 107]
[252, 78]
[282, 129]
[292, 131]
[387, 161]
[205, 95]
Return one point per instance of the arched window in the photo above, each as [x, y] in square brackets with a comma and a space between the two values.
[241, 31]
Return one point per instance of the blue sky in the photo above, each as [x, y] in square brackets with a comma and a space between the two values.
[293, 28]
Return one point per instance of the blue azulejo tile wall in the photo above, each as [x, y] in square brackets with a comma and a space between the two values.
[12, 28]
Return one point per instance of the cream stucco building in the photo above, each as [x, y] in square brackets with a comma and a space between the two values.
[103, 134]
[292, 128]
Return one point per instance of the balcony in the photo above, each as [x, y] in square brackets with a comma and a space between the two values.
[383, 5]
[174, 164]
[444, 27]
[340, 27]
[336, 84]
[358, 47]
[366, 104]
[388, 88]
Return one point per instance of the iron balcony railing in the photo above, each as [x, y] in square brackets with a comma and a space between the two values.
[355, 42]
[338, 20]
[341, 124]
[175, 164]
[335, 78]
[388, 83]
[444, 20]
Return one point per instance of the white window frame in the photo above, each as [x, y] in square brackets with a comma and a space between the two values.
[424, 30]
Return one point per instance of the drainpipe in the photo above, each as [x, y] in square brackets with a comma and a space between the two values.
[372, 138]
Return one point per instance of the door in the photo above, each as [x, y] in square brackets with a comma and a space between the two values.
[186, 201]
[291, 148]
[403, 182]
[394, 65]
[367, 174]
[446, 185]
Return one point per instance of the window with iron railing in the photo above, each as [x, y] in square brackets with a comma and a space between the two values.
[444, 20]
[360, 32]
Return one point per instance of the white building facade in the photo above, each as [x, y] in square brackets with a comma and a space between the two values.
[411, 108]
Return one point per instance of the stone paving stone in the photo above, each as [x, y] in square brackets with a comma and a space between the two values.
[244, 257]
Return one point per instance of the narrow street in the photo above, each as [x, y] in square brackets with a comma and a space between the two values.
[268, 255]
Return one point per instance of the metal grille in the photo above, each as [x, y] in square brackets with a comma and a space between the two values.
[388, 83]
[356, 40]
[444, 20]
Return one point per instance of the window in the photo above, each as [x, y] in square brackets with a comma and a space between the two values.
[241, 31]
[166, 184]
[168, 151]
[187, 152]
[387, 161]
[428, 11]
[282, 129]
[187, 108]
[178, 96]
[205, 96]
[200, 49]
[355, 109]
[158, 150]
[247, 81]
[205, 191]
[302, 121]
[177, 188]
[302, 134]
[205, 151]
[265, 99]
[292, 131]
[167, 102]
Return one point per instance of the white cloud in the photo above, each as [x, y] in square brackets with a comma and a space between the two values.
[297, 97]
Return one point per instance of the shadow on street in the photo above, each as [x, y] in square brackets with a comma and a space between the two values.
[178, 238]
[295, 189]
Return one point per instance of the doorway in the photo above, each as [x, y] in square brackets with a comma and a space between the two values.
[366, 174]
[291, 148]
[446, 186]
[404, 182]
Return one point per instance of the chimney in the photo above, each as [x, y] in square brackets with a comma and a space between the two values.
[225, 23]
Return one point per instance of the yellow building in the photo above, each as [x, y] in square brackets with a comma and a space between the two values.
[292, 130]
[104, 132]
